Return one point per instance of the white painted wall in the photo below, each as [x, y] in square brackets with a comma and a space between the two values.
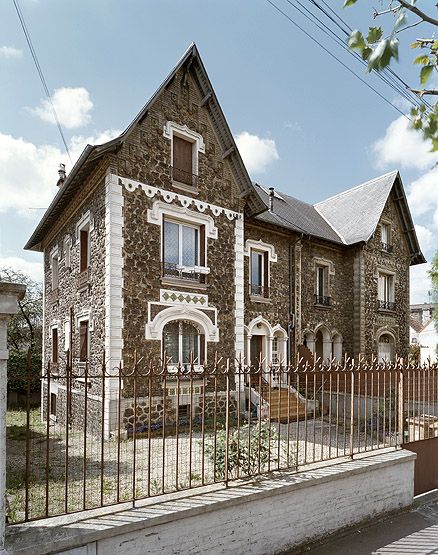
[428, 340]
[261, 518]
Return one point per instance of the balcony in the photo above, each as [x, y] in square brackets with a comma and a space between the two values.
[195, 274]
[386, 305]
[323, 300]
[261, 291]
[386, 247]
[83, 279]
[186, 178]
[53, 296]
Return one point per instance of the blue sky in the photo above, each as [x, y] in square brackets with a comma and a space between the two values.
[304, 124]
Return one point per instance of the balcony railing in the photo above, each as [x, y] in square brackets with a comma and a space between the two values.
[259, 291]
[53, 296]
[184, 177]
[386, 247]
[385, 305]
[195, 273]
[83, 279]
[323, 300]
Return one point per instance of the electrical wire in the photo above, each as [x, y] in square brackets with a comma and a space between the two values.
[40, 72]
[337, 59]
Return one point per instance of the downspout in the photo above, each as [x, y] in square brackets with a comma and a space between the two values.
[291, 335]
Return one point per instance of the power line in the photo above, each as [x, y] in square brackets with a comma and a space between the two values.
[336, 58]
[40, 72]
[385, 77]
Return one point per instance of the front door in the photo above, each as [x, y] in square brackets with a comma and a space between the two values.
[256, 350]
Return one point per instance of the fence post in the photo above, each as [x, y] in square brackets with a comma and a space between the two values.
[10, 293]
[401, 409]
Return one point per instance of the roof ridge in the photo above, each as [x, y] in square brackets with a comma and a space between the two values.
[364, 184]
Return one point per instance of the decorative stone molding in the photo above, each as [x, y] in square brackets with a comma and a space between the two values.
[85, 315]
[317, 261]
[85, 219]
[170, 197]
[261, 246]
[180, 297]
[160, 209]
[154, 328]
[171, 128]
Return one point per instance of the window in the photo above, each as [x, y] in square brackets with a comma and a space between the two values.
[55, 272]
[321, 295]
[183, 343]
[55, 345]
[259, 273]
[385, 352]
[386, 291]
[84, 246]
[53, 404]
[67, 252]
[83, 340]
[183, 250]
[182, 161]
[385, 237]
[275, 357]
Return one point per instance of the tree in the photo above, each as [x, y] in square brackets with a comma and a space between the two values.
[25, 332]
[379, 48]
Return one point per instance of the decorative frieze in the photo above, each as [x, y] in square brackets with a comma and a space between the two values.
[180, 297]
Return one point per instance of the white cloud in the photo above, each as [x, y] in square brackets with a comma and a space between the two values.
[423, 196]
[420, 283]
[9, 52]
[403, 147]
[257, 153]
[32, 269]
[428, 240]
[72, 105]
[28, 172]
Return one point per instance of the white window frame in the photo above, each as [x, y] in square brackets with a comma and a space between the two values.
[181, 224]
[263, 273]
[387, 226]
[389, 276]
[52, 327]
[67, 251]
[173, 367]
[54, 255]
[172, 129]
[79, 320]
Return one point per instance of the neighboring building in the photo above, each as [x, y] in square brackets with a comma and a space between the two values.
[424, 312]
[428, 341]
[159, 241]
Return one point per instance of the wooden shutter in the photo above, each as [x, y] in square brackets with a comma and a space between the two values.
[55, 345]
[265, 273]
[83, 341]
[84, 250]
[182, 160]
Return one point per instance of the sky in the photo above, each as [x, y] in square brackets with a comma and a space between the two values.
[303, 123]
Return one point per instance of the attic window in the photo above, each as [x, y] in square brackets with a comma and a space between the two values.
[186, 145]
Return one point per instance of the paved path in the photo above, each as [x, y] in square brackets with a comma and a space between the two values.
[410, 533]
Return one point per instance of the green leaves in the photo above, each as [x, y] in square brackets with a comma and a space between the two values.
[381, 57]
[425, 73]
[349, 3]
[374, 34]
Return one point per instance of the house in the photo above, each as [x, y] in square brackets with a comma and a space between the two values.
[423, 312]
[159, 242]
[426, 337]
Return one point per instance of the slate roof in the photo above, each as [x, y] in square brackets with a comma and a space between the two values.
[347, 218]
[296, 215]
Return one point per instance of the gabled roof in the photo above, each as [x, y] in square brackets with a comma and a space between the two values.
[296, 215]
[191, 61]
[415, 324]
[347, 218]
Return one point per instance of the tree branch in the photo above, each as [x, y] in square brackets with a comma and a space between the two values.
[422, 92]
[418, 12]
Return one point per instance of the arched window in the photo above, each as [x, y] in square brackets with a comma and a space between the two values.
[385, 348]
[183, 343]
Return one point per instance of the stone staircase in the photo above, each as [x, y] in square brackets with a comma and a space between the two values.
[283, 405]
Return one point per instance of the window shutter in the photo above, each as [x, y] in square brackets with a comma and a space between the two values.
[202, 253]
[83, 341]
[84, 250]
[266, 269]
[182, 160]
[55, 345]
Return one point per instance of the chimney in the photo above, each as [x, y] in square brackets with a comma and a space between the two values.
[271, 199]
[61, 173]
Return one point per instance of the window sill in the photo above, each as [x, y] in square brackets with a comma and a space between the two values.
[187, 283]
[389, 311]
[258, 299]
[185, 187]
[324, 306]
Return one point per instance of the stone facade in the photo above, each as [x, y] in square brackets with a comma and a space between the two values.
[127, 284]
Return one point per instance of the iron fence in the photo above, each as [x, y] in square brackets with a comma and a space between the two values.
[126, 433]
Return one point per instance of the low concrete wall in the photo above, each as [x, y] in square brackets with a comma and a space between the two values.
[263, 517]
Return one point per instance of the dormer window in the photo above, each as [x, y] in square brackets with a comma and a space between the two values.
[385, 238]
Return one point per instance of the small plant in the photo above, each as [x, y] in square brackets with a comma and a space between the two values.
[249, 450]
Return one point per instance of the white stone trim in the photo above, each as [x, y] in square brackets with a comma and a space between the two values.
[260, 246]
[172, 129]
[170, 197]
[85, 315]
[67, 243]
[85, 219]
[154, 328]
[188, 298]
[160, 209]
[318, 261]
[239, 291]
[113, 278]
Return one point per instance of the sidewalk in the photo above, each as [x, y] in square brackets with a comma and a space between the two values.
[409, 533]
